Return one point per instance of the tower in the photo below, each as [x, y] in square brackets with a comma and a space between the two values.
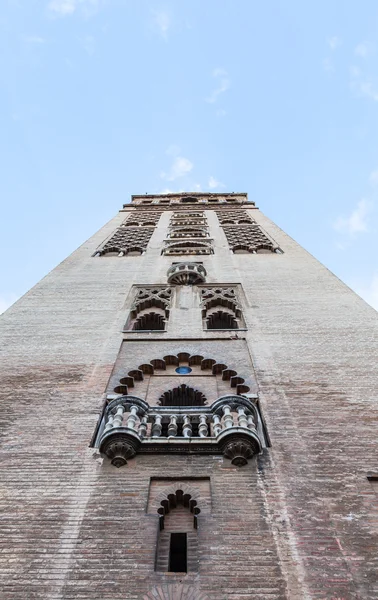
[189, 411]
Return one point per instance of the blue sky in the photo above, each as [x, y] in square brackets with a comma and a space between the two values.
[101, 99]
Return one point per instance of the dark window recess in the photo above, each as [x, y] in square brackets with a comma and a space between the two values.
[221, 320]
[178, 553]
[149, 322]
[183, 395]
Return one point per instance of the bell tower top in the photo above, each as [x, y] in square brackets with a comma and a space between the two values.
[190, 198]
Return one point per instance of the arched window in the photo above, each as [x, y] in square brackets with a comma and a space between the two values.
[150, 309]
[221, 320]
[150, 321]
[177, 547]
[183, 395]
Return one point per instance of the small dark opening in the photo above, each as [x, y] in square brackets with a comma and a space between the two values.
[178, 553]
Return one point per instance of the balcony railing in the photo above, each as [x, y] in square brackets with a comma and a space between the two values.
[230, 426]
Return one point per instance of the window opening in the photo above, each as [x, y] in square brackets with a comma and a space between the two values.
[178, 553]
[183, 370]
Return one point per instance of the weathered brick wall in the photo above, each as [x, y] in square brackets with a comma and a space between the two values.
[298, 522]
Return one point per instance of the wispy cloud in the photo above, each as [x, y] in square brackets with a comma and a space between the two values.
[180, 167]
[170, 191]
[6, 300]
[223, 84]
[334, 42]
[357, 221]
[162, 21]
[213, 183]
[220, 112]
[363, 85]
[363, 49]
[34, 39]
[64, 8]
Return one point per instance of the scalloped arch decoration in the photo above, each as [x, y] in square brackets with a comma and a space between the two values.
[176, 498]
[160, 364]
[175, 591]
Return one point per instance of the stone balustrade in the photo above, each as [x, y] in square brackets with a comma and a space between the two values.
[231, 426]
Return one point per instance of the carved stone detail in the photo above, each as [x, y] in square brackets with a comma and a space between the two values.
[220, 308]
[150, 309]
[183, 395]
[176, 591]
[187, 235]
[126, 240]
[249, 238]
[188, 246]
[120, 447]
[174, 500]
[144, 219]
[239, 452]
[233, 217]
[186, 273]
[135, 375]
[190, 231]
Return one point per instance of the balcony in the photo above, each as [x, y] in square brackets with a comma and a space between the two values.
[186, 273]
[230, 426]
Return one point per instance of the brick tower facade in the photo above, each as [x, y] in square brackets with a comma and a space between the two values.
[189, 412]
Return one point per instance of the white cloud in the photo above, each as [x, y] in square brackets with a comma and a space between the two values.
[162, 22]
[64, 8]
[213, 183]
[369, 292]
[366, 88]
[334, 42]
[363, 49]
[169, 191]
[223, 84]
[220, 112]
[362, 85]
[180, 167]
[34, 39]
[6, 300]
[357, 221]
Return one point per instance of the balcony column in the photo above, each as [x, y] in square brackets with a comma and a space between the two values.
[228, 418]
[202, 429]
[132, 417]
[172, 427]
[217, 426]
[118, 418]
[187, 427]
[109, 423]
[143, 427]
[156, 427]
[242, 417]
[251, 422]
